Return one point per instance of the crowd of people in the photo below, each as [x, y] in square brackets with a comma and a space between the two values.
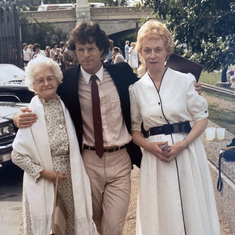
[130, 55]
[62, 55]
[85, 124]
[67, 58]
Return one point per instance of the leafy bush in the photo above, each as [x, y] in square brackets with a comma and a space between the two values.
[43, 33]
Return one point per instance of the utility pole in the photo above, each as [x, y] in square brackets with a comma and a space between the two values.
[83, 11]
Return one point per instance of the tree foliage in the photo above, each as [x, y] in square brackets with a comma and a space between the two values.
[43, 33]
[203, 30]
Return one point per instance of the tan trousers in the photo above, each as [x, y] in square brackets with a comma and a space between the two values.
[111, 188]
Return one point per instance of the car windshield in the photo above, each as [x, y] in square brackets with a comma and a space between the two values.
[10, 72]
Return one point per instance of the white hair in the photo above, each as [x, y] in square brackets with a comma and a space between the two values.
[39, 64]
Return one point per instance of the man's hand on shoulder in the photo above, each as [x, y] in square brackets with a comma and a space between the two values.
[24, 118]
[198, 88]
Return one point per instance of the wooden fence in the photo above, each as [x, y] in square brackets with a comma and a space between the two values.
[10, 33]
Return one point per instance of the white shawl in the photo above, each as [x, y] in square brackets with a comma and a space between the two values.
[34, 142]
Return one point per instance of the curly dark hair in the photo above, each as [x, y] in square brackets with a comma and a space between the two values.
[89, 32]
[54, 43]
[35, 46]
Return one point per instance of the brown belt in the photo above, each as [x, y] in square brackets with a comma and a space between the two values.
[108, 150]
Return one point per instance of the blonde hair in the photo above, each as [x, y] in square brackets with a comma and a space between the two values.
[133, 44]
[40, 63]
[153, 29]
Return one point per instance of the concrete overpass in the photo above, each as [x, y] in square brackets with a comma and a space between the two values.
[111, 19]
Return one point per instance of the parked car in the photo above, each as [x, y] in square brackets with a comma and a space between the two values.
[12, 84]
[14, 95]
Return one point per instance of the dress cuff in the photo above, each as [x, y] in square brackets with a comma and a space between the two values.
[37, 173]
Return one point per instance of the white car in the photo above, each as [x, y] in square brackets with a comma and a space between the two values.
[14, 94]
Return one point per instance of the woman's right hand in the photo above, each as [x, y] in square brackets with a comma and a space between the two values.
[157, 149]
[50, 175]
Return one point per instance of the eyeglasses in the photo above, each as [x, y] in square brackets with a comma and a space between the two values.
[41, 81]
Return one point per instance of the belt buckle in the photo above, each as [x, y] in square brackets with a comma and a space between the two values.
[168, 129]
[113, 149]
[147, 133]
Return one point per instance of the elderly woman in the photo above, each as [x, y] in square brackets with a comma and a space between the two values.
[48, 148]
[175, 191]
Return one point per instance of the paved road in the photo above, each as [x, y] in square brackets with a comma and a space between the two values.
[10, 200]
[11, 210]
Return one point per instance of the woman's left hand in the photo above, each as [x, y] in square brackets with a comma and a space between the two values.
[175, 149]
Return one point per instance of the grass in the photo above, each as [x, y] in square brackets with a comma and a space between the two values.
[221, 107]
[223, 114]
[210, 78]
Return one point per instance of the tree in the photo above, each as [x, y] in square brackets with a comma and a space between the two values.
[203, 30]
[43, 33]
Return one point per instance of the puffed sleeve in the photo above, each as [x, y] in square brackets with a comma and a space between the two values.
[136, 118]
[196, 104]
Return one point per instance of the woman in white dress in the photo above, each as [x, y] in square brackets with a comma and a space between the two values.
[175, 189]
[47, 148]
[133, 57]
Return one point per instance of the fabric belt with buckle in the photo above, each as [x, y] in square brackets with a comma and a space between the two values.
[170, 128]
[107, 150]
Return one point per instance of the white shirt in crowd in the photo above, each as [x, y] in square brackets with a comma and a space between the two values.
[26, 54]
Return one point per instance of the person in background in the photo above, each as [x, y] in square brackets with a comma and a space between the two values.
[133, 57]
[117, 56]
[109, 56]
[55, 52]
[70, 59]
[61, 57]
[231, 74]
[62, 47]
[47, 148]
[37, 51]
[126, 50]
[175, 189]
[48, 51]
[26, 54]
[31, 49]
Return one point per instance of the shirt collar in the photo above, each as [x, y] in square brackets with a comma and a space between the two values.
[87, 76]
